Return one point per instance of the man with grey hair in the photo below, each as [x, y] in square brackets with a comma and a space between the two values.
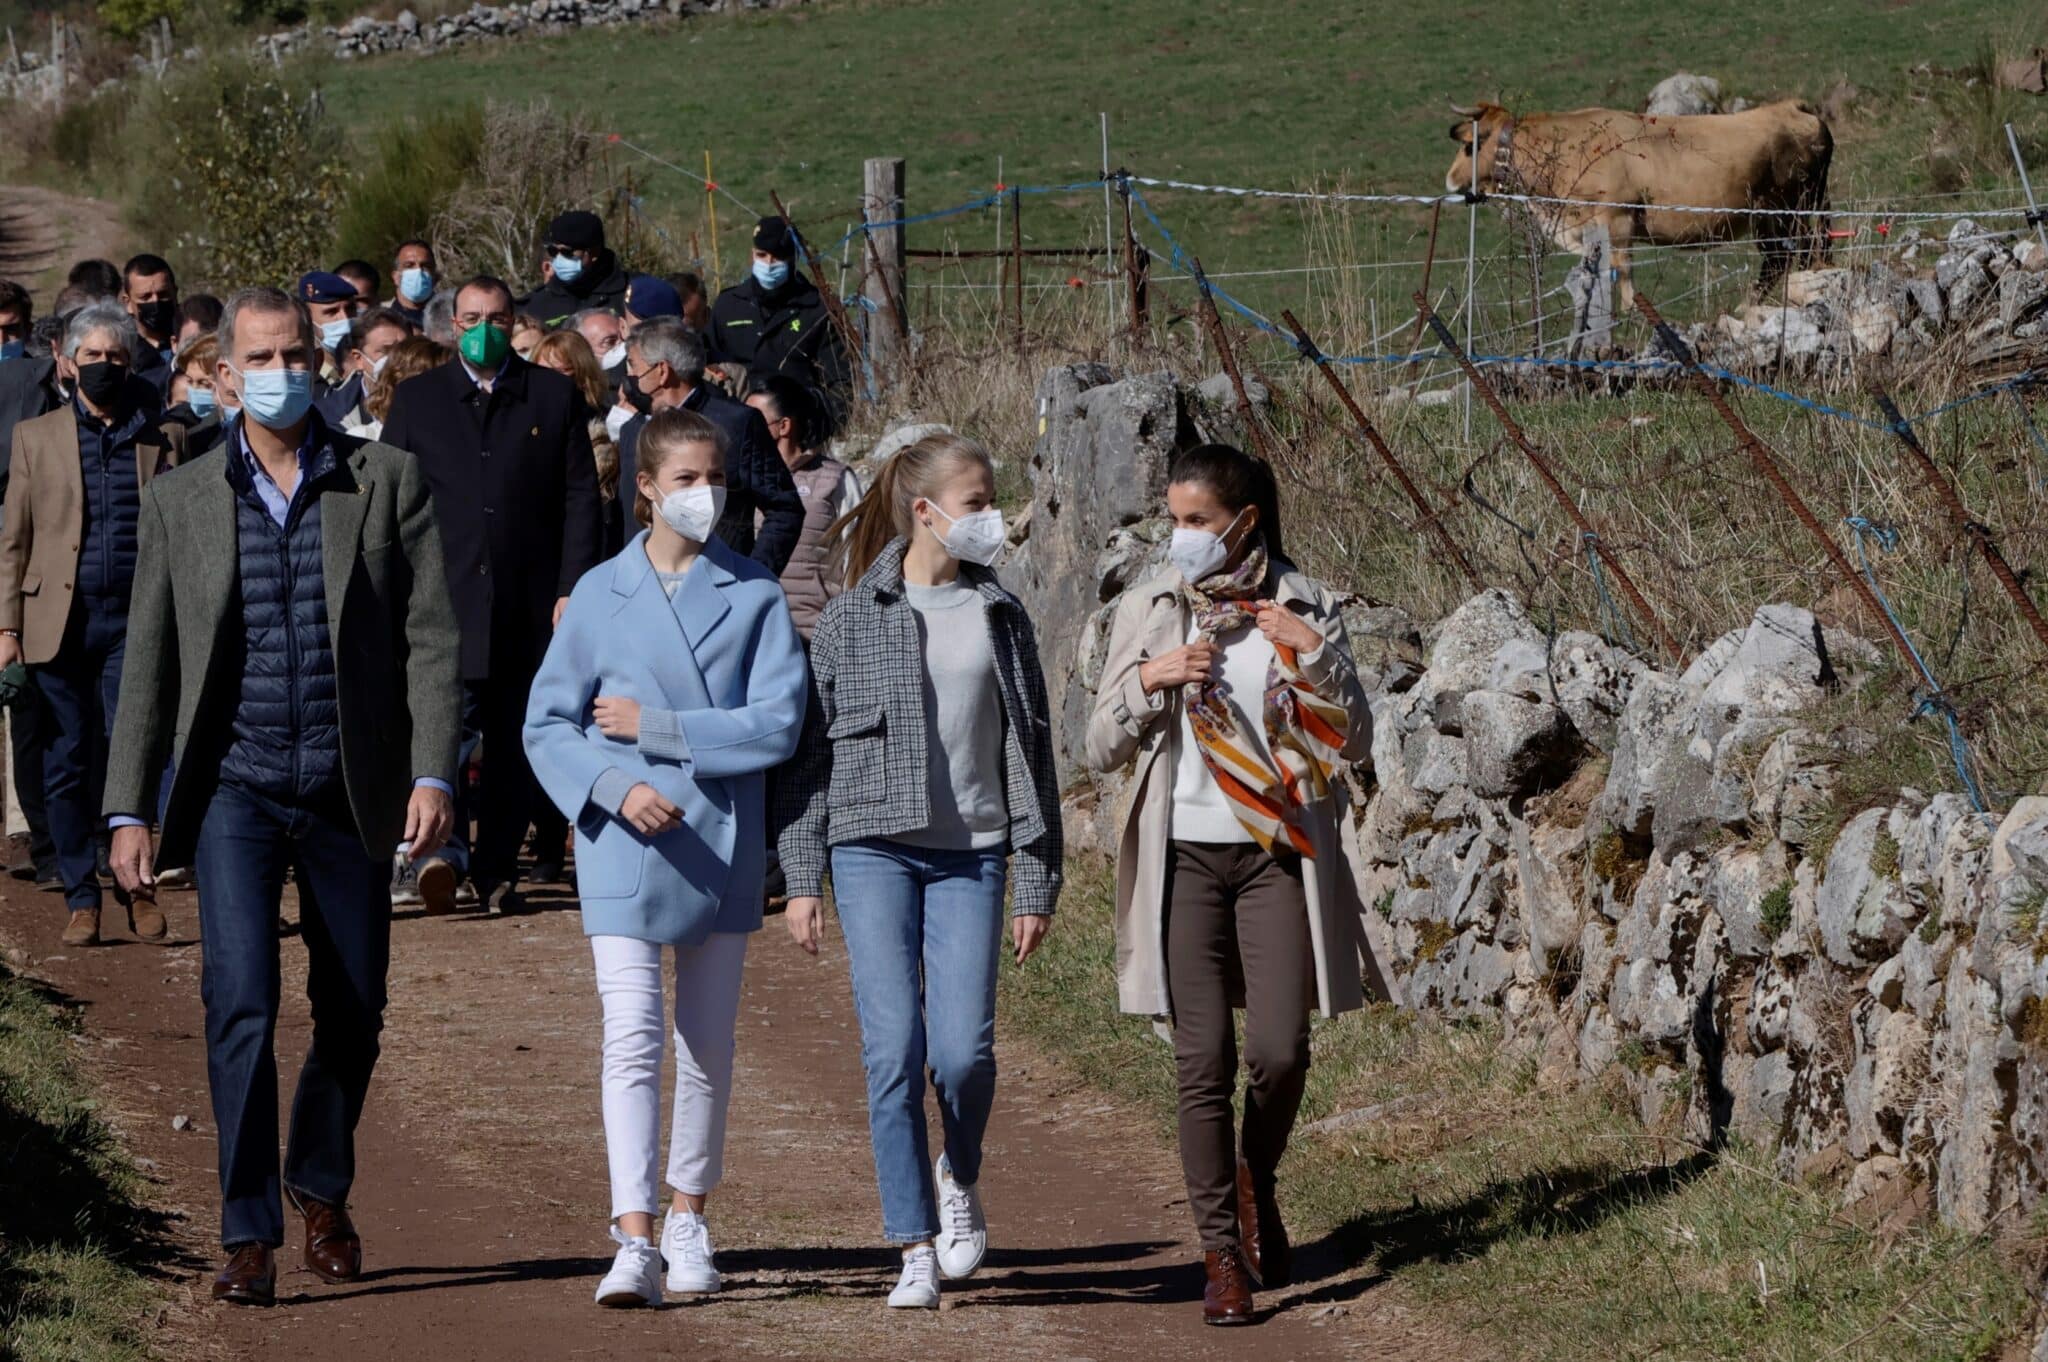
[290, 750]
[68, 547]
[665, 368]
[438, 318]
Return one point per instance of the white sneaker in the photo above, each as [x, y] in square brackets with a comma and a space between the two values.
[963, 1230]
[686, 1243]
[635, 1278]
[918, 1288]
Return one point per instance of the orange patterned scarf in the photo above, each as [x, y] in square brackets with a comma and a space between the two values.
[1304, 731]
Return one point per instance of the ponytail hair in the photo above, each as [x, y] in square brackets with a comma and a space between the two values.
[667, 432]
[1238, 480]
[883, 515]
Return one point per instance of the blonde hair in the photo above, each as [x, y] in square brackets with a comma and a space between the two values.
[584, 370]
[203, 350]
[409, 358]
[883, 515]
[667, 433]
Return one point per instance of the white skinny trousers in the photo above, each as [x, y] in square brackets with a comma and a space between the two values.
[707, 1013]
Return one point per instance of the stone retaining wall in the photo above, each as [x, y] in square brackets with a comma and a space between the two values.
[1645, 872]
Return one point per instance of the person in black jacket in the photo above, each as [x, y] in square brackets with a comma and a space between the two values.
[775, 321]
[582, 272]
[665, 368]
[149, 294]
[28, 388]
[506, 450]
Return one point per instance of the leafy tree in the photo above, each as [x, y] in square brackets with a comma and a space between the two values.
[130, 19]
[258, 167]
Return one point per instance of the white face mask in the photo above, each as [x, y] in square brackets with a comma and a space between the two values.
[615, 421]
[976, 538]
[693, 512]
[615, 356]
[1198, 553]
[377, 366]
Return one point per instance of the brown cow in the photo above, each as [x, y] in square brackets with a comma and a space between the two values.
[1774, 156]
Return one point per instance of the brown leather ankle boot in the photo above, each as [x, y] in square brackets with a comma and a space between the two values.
[1227, 1293]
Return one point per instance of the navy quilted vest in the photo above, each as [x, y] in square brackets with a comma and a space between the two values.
[286, 736]
[112, 509]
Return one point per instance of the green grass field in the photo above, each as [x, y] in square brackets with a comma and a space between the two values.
[1234, 92]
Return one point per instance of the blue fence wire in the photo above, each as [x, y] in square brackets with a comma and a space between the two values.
[1611, 615]
[1932, 699]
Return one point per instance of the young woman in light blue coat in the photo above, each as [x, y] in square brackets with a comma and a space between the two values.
[674, 683]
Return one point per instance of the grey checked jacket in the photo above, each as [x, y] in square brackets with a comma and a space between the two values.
[861, 768]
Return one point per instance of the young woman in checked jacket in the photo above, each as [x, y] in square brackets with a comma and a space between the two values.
[924, 777]
[1229, 681]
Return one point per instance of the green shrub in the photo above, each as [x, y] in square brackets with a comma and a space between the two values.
[412, 169]
[255, 169]
[130, 19]
[1774, 910]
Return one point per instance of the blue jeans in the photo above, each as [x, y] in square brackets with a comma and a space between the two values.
[923, 935]
[246, 841]
[79, 687]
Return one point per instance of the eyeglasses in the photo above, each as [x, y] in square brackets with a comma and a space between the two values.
[466, 320]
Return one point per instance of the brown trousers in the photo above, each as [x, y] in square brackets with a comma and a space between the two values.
[1236, 925]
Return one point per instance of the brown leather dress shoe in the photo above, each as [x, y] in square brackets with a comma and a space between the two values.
[250, 1277]
[1268, 1256]
[146, 921]
[1227, 1294]
[83, 929]
[334, 1251]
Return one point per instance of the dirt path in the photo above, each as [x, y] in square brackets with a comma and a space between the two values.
[44, 232]
[482, 1195]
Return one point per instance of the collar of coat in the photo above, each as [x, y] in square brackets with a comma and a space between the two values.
[884, 578]
[1285, 584]
[699, 603]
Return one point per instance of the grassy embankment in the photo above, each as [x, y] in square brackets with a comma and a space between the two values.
[1548, 1220]
[75, 1236]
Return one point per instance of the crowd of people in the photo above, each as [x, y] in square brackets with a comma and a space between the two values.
[382, 598]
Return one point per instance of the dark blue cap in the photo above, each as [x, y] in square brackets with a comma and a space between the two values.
[648, 297]
[321, 286]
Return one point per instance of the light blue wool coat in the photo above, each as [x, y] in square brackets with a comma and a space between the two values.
[722, 684]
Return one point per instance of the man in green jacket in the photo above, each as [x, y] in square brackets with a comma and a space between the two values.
[292, 647]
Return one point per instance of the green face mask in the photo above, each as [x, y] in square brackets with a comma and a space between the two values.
[485, 345]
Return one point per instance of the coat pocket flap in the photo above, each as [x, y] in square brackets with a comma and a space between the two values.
[31, 583]
[856, 723]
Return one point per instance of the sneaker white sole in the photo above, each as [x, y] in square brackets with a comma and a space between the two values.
[918, 1302]
[709, 1285]
[628, 1299]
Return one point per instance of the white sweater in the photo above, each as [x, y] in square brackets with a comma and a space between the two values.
[1201, 811]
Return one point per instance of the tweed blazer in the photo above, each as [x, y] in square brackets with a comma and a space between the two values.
[389, 618]
[45, 513]
[862, 768]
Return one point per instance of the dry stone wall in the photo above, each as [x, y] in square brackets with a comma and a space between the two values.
[1645, 872]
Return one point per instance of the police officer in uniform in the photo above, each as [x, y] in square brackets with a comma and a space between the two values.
[775, 321]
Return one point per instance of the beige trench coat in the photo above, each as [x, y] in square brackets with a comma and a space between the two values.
[1351, 950]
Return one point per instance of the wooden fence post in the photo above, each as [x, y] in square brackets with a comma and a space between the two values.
[882, 279]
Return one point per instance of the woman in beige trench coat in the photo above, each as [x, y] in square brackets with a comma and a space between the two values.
[1230, 682]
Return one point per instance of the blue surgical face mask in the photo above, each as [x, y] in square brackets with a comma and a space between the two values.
[200, 400]
[13, 349]
[568, 268]
[771, 274]
[276, 399]
[416, 285]
[333, 333]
